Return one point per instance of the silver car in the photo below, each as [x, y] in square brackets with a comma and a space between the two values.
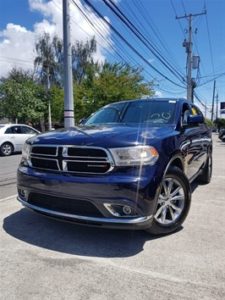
[13, 136]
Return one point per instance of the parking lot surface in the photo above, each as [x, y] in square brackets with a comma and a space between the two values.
[46, 259]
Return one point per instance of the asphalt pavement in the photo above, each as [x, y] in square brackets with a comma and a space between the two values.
[46, 259]
[8, 167]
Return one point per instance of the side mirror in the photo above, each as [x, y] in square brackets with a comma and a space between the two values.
[194, 120]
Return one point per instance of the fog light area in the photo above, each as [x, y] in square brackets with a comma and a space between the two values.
[118, 210]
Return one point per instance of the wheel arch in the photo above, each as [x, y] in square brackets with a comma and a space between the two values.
[176, 160]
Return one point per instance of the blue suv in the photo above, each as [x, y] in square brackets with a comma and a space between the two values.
[128, 166]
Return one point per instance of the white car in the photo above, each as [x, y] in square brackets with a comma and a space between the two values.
[13, 136]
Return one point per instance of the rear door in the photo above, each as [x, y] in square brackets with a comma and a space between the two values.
[191, 145]
[205, 136]
[14, 135]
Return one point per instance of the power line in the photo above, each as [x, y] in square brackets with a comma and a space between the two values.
[99, 34]
[200, 101]
[129, 45]
[142, 38]
[111, 45]
[182, 2]
[210, 43]
[208, 81]
[179, 22]
[149, 21]
[4, 59]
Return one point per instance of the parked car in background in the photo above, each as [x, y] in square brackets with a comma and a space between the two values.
[222, 134]
[128, 166]
[13, 136]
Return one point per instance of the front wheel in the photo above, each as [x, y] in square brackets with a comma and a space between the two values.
[6, 149]
[173, 203]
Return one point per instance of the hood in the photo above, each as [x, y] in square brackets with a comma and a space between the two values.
[104, 136]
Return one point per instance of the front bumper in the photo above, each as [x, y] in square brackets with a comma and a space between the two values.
[139, 193]
[131, 223]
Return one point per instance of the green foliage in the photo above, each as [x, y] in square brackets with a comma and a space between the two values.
[109, 83]
[220, 123]
[95, 85]
[48, 59]
[208, 122]
[57, 104]
[82, 58]
[20, 97]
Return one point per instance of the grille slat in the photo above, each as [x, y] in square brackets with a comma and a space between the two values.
[71, 159]
[48, 164]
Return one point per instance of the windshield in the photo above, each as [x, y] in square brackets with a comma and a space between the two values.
[135, 112]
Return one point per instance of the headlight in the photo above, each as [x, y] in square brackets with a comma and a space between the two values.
[135, 156]
[26, 152]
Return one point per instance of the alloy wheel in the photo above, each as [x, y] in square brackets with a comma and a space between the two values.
[170, 202]
[6, 149]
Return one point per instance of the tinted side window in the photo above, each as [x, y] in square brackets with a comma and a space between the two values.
[13, 130]
[186, 111]
[27, 130]
[107, 115]
[8, 130]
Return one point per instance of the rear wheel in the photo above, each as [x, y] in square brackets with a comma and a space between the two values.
[6, 149]
[173, 203]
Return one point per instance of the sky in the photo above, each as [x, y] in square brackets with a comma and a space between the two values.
[22, 22]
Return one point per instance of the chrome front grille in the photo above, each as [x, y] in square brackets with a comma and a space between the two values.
[71, 159]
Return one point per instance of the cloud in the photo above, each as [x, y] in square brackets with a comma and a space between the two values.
[158, 94]
[17, 43]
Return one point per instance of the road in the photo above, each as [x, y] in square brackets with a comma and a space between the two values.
[46, 259]
[8, 166]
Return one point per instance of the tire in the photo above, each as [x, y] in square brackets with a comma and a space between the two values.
[6, 149]
[173, 203]
[206, 175]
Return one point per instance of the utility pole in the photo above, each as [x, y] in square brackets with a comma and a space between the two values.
[213, 100]
[188, 45]
[49, 101]
[68, 76]
[217, 104]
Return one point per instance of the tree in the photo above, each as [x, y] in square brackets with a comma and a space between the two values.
[49, 65]
[57, 100]
[82, 58]
[48, 59]
[109, 83]
[220, 123]
[20, 97]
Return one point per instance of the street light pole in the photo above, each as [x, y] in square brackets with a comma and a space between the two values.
[68, 76]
